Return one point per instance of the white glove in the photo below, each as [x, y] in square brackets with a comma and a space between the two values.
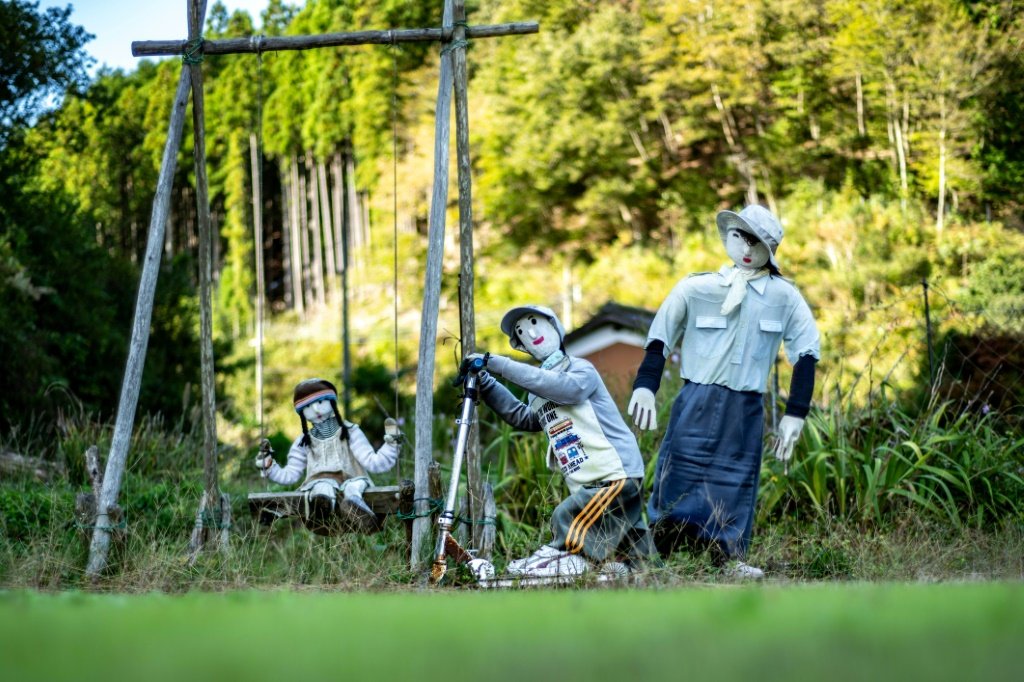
[788, 434]
[642, 409]
[392, 434]
[265, 459]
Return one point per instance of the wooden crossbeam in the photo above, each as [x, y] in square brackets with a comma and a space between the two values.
[254, 44]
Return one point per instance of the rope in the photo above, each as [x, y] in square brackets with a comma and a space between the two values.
[485, 521]
[193, 53]
[394, 207]
[208, 520]
[257, 215]
[91, 526]
[454, 45]
[435, 505]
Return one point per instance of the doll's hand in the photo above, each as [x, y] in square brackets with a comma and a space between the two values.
[492, 363]
[789, 433]
[392, 434]
[479, 356]
[642, 409]
[265, 459]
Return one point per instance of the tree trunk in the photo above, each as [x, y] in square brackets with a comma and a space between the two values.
[338, 195]
[355, 212]
[298, 277]
[316, 257]
[940, 212]
[861, 129]
[286, 237]
[326, 217]
[727, 130]
[308, 287]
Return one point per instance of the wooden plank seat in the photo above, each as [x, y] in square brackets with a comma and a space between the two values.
[383, 500]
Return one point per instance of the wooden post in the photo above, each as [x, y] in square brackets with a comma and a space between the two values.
[431, 300]
[156, 48]
[211, 507]
[100, 545]
[467, 318]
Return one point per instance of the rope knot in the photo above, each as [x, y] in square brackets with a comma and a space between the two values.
[193, 53]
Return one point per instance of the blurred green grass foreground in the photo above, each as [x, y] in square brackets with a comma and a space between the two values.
[855, 631]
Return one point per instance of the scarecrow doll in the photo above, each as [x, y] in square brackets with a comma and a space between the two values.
[731, 323]
[600, 524]
[335, 457]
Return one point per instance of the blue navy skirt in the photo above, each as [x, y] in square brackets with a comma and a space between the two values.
[709, 466]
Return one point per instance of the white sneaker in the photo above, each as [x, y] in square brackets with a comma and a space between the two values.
[517, 566]
[744, 571]
[564, 564]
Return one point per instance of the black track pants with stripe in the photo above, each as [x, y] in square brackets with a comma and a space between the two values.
[603, 521]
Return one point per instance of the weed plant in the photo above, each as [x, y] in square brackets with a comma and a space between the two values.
[874, 492]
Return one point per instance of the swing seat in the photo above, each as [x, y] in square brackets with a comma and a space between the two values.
[383, 500]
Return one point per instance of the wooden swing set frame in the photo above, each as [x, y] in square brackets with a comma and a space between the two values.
[213, 515]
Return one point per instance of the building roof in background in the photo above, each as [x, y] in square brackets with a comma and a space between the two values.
[626, 324]
[617, 315]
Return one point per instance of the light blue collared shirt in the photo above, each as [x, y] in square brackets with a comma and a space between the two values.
[735, 350]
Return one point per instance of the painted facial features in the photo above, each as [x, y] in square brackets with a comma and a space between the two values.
[745, 250]
[319, 411]
[538, 336]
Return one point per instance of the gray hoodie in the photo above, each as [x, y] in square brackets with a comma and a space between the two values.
[589, 441]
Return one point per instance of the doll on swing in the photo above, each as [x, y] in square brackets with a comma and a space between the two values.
[336, 458]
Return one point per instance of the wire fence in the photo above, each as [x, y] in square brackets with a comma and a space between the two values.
[917, 339]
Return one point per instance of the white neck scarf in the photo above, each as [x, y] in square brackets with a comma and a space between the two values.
[552, 360]
[737, 281]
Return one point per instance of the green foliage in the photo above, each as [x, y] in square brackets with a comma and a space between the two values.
[871, 464]
[28, 512]
[44, 57]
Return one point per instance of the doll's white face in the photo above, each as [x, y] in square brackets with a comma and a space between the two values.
[538, 335]
[745, 250]
[318, 411]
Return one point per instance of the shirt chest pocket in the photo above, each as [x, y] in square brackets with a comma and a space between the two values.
[711, 335]
[768, 338]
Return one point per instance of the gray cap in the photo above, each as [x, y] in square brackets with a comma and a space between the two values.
[508, 323]
[755, 220]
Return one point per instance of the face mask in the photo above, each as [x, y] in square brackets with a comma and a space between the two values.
[538, 335]
[317, 412]
[745, 250]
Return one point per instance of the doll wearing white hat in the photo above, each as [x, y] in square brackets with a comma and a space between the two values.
[730, 325]
[600, 524]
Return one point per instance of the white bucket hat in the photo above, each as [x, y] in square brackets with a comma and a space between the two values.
[508, 323]
[756, 220]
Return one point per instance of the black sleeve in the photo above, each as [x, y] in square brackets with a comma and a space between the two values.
[801, 387]
[649, 374]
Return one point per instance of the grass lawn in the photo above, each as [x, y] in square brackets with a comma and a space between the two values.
[838, 631]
